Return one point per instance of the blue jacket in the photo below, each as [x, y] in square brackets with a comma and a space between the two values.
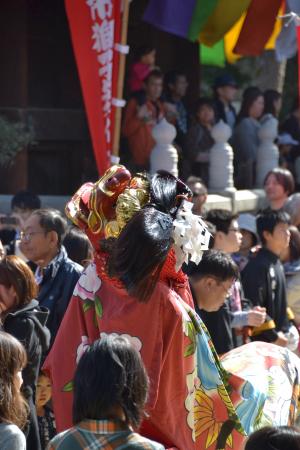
[56, 288]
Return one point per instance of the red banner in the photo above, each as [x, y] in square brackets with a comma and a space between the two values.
[95, 29]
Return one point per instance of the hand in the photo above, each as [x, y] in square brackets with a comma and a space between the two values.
[281, 339]
[144, 114]
[256, 316]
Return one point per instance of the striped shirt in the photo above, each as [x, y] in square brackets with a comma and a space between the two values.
[101, 434]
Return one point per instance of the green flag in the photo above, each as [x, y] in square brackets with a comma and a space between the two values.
[213, 56]
[202, 10]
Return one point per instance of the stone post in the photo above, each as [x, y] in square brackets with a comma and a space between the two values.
[221, 159]
[267, 152]
[164, 154]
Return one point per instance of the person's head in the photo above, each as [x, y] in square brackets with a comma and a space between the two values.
[252, 103]
[273, 102]
[13, 408]
[43, 390]
[142, 247]
[274, 438]
[225, 88]
[78, 246]
[292, 207]
[205, 112]
[176, 83]
[278, 184]
[146, 54]
[199, 191]
[247, 226]
[273, 230]
[154, 84]
[17, 284]
[24, 202]
[42, 235]
[212, 279]
[292, 252]
[228, 237]
[110, 380]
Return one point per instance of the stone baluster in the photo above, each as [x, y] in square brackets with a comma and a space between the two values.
[267, 152]
[164, 155]
[221, 159]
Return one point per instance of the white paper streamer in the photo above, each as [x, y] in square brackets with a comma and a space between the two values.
[190, 234]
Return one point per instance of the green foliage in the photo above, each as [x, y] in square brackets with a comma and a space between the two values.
[13, 138]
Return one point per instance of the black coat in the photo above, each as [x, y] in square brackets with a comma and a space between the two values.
[28, 325]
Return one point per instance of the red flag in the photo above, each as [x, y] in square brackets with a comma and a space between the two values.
[95, 26]
[257, 27]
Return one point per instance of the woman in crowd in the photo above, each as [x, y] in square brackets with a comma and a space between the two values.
[272, 104]
[13, 408]
[78, 246]
[110, 391]
[199, 140]
[136, 287]
[274, 438]
[279, 184]
[245, 137]
[46, 419]
[22, 317]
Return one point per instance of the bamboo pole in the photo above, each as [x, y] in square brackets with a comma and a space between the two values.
[121, 75]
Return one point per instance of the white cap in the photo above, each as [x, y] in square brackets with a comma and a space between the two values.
[247, 222]
[286, 139]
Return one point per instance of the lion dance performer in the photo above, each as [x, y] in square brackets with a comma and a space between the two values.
[142, 231]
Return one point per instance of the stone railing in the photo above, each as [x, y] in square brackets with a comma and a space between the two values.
[238, 201]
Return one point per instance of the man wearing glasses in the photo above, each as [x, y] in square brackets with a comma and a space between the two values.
[55, 273]
[228, 322]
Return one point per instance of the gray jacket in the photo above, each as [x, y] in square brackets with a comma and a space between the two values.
[11, 437]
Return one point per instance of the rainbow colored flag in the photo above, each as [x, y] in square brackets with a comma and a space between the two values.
[226, 29]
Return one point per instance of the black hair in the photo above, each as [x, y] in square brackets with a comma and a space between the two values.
[52, 220]
[110, 373]
[25, 200]
[271, 96]
[140, 251]
[204, 101]
[221, 219]
[155, 73]
[216, 264]
[77, 245]
[267, 219]
[142, 51]
[283, 177]
[274, 438]
[249, 96]
[172, 75]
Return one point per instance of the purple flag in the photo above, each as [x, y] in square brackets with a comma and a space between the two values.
[173, 16]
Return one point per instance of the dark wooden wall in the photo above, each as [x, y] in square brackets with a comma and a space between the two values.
[39, 84]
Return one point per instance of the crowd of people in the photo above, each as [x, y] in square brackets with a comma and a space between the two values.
[153, 95]
[60, 282]
[139, 319]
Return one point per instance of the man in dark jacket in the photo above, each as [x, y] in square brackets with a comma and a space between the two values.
[225, 88]
[263, 278]
[55, 273]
